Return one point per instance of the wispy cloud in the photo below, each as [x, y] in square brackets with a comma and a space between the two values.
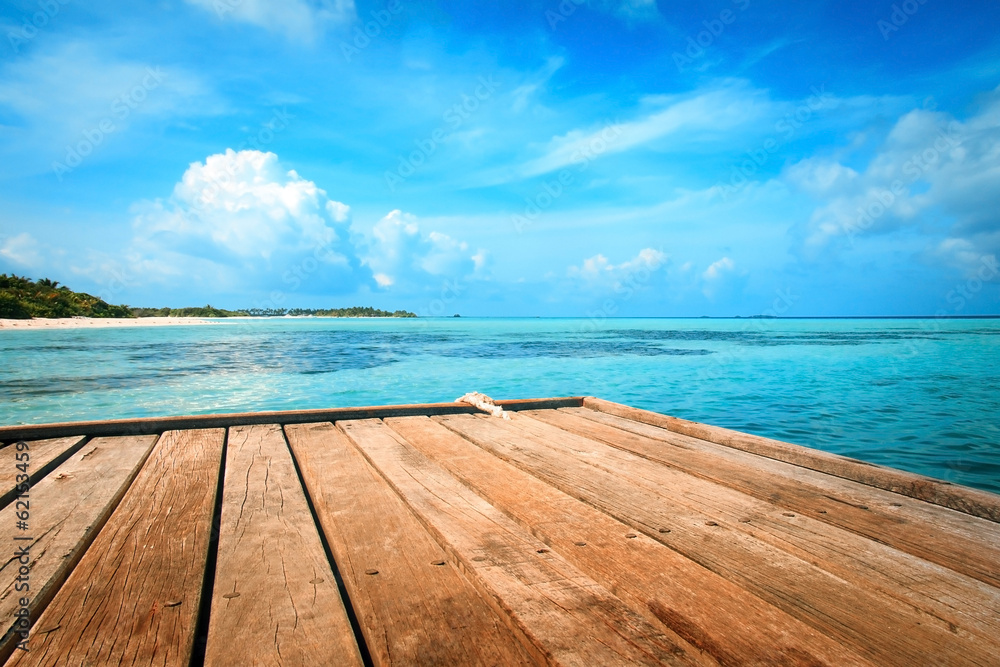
[76, 93]
[23, 250]
[296, 19]
[710, 111]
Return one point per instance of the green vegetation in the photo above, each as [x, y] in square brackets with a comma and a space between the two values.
[209, 311]
[206, 311]
[23, 298]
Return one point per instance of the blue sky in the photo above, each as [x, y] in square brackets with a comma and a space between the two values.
[584, 157]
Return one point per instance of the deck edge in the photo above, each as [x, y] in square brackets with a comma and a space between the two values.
[157, 425]
[967, 500]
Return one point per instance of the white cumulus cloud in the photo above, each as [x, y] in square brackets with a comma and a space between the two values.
[598, 271]
[242, 223]
[399, 252]
[244, 216]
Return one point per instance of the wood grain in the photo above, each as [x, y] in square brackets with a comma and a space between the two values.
[275, 600]
[964, 499]
[723, 620]
[133, 598]
[44, 455]
[650, 497]
[962, 543]
[567, 616]
[414, 607]
[67, 509]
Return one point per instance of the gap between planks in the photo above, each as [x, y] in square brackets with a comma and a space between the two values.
[275, 600]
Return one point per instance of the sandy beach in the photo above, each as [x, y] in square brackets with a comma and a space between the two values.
[100, 322]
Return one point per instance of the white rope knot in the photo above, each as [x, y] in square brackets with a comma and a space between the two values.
[484, 403]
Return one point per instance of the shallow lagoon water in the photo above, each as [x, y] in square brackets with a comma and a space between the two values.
[921, 395]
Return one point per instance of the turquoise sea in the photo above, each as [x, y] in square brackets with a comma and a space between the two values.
[921, 395]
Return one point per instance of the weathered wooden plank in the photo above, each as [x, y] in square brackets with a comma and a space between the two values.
[651, 497]
[518, 404]
[67, 509]
[963, 543]
[42, 457]
[275, 600]
[961, 498]
[863, 557]
[717, 616]
[154, 425]
[569, 617]
[413, 607]
[133, 598]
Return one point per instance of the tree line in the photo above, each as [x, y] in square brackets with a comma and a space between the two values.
[23, 298]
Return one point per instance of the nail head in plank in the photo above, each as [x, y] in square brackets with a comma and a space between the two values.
[42, 457]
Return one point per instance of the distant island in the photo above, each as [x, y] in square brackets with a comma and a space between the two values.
[209, 311]
[24, 299]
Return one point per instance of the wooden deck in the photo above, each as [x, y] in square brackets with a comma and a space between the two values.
[579, 532]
